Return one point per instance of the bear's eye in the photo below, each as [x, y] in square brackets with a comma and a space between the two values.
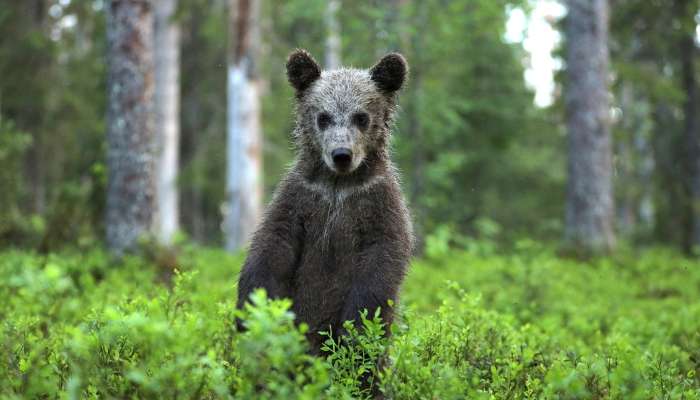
[324, 120]
[361, 120]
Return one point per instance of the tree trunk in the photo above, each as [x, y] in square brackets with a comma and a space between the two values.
[332, 54]
[691, 126]
[131, 143]
[589, 206]
[244, 156]
[167, 113]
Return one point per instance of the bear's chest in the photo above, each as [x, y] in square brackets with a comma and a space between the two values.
[335, 236]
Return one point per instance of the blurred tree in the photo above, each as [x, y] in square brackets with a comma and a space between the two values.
[589, 211]
[244, 162]
[332, 51]
[414, 126]
[466, 112]
[202, 150]
[131, 140]
[634, 162]
[686, 12]
[470, 143]
[167, 112]
[52, 90]
[645, 182]
[648, 56]
[27, 24]
[13, 145]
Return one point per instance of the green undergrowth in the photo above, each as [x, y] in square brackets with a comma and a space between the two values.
[474, 323]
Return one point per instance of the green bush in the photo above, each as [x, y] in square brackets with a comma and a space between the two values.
[472, 324]
[272, 355]
[356, 359]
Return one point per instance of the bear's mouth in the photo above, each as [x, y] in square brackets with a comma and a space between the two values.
[341, 170]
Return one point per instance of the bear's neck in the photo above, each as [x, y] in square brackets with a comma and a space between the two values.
[314, 171]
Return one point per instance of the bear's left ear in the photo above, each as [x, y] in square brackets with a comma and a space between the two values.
[390, 72]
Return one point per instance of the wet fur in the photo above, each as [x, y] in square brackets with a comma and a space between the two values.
[335, 244]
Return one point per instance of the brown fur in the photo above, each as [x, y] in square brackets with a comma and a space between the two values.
[336, 243]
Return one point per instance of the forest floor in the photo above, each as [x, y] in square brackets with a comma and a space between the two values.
[474, 323]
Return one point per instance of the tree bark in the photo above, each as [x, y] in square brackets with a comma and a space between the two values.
[167, 113]
[589, 207]
[244, 155]
[131, 143]
[332, 53]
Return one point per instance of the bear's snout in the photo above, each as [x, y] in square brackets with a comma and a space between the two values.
[342, 158]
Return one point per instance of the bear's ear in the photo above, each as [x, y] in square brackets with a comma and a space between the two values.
[302, 70]
[390, 72]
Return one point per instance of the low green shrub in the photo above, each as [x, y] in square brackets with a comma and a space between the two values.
[356, 359]
[272, 355]
[523, 324]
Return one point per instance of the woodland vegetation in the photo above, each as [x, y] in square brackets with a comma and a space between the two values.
[470, 143]
[141, 139]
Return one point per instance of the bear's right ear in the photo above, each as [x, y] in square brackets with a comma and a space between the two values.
[302, 70]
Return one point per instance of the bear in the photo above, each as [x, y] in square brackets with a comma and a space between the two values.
[336, 237]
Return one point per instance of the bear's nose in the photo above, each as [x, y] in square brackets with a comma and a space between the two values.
[342, 157]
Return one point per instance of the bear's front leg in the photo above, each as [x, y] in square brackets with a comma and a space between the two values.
[375, 286]
[273, 253]
[381, 270]
[368, 297]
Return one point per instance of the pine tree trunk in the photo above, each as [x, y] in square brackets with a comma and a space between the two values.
[167, 113]
[244, 155]
[131, 144]
[589, 208]
[332, 53]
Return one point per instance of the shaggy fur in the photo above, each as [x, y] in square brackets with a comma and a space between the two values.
[336, 242]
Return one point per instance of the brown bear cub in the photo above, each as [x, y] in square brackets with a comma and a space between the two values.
[336, 238]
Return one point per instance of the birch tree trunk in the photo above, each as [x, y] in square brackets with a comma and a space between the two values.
[332, 53]
[167, 113]
[130, 135]
[589, 206]
[244, 156]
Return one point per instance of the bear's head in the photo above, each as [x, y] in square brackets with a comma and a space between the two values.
[344, 115]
